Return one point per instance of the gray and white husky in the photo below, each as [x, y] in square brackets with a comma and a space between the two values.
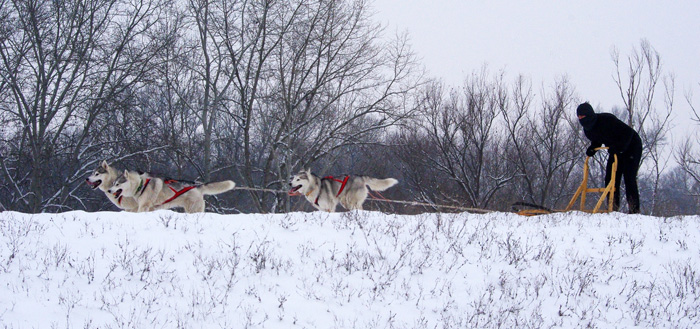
[152, 193]
[325, 193]
[102, 178]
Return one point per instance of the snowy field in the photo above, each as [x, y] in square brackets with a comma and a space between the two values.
[348, 270]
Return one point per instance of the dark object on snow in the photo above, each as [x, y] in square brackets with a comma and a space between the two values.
[605, 128]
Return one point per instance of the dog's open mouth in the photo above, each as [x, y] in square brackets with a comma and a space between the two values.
[117, 193]
[295, 190]
[94, 184]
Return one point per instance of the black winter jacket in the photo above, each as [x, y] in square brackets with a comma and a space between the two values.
[612, 132]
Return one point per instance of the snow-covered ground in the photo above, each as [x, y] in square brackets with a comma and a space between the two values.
[348, 270]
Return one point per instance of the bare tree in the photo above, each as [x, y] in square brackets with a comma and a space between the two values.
[638, 86]
[413, 149]
[63, 63]
[308, 78]
[556, 148]
[688, 154]
[210, 68]
[174, 99]
[463, 143]
[252, 38]
[680, 193]
[544, 143]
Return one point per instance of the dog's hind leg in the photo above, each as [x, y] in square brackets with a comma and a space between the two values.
[360, 201]
[354, 201]
[197, 206]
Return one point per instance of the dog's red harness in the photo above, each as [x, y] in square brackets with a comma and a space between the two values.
[177, 193]
[343, 182]
[142, 188]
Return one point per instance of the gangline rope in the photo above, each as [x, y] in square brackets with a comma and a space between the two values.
[382, 199]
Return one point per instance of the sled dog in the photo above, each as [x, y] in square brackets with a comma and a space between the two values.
[152, 193]
[103, 177]
[325, 193]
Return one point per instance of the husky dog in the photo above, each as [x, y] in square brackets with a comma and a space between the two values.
[103, 177]
[152, 193]
[325, 193]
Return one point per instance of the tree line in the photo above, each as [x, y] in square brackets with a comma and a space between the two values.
[256, 90]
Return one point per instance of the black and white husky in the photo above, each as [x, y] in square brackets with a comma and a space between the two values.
[152, 193]
[325, 193]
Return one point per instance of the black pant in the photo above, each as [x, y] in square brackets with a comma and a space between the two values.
[627, 166]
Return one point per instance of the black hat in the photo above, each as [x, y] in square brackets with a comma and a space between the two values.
[590, 117]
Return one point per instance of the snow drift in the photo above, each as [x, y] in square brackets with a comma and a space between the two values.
[347, 270]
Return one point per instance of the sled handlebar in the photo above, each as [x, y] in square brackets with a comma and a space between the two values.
[598, 149]
[585, 166]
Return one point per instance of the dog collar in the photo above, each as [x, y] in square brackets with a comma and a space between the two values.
[142, 185]
[309, 192]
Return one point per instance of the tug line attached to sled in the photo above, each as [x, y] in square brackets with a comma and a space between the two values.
[258, 189]
[379, 198]
[433, 205]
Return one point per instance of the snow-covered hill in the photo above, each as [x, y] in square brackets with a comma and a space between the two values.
[347, 270]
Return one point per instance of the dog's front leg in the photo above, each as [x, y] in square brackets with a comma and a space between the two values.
[146, 206]
[150, 196]
[155, 193]
[322, 207]
[330, 208]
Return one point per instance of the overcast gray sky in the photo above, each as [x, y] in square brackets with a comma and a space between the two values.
[547, 39]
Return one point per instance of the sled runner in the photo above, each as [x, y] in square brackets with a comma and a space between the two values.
[528, 209]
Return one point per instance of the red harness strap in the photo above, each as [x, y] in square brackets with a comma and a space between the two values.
[343, 182]
[177, 193]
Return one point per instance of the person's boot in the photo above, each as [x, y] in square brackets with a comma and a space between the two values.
[633, 207]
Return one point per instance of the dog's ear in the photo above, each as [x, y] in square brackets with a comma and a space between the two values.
[104, 164]
[126, 173]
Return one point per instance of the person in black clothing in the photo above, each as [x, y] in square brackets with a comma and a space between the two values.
[621, 139]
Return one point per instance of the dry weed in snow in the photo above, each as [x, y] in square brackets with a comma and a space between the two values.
[348, 270]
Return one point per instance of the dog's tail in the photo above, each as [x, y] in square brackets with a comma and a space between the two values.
[216, 187]
[377, 184]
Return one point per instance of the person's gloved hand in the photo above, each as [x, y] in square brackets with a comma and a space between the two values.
[590, 151]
